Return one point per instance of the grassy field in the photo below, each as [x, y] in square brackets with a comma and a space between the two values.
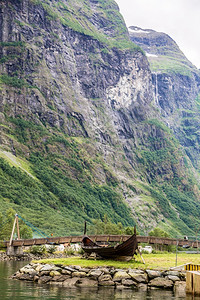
[152, 261]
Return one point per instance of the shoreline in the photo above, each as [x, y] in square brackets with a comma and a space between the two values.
[90, 277]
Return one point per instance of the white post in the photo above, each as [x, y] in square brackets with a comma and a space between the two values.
[11, 237]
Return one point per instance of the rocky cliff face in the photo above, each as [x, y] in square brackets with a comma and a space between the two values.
[78, 108]
[176, 85]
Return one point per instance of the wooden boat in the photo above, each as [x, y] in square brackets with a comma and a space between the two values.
[123, 251]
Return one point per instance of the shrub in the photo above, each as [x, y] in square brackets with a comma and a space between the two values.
[51, 249]
[38, 250]
[80, 251]
[13, 81]
[69, 251]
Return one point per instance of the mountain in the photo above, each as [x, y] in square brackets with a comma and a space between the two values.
[82, 136]
[176, 84]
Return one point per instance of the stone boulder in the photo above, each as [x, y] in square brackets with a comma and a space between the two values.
[86, 282]
[106, 283]
[70, 282]
[119, 275]
[129, 282]
[54, 273]
[173, 278]
[161, 282]
[45, 268]
[105, 277]
[180, 289]
[44, 279]
[78, 274]
[95, 273]
[69, 269]
[153, 273]
[140, 278]
[142, 287]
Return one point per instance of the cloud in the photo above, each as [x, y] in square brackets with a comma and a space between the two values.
[178, 18]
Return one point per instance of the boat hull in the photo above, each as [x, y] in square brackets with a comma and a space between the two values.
[123, 251]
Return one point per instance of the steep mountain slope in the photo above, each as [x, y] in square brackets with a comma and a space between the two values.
[78, 121]
[176, 87]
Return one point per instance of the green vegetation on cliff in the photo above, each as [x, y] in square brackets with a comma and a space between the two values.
[62, 191]
[64, 194]
[79, 17]
[69, 153]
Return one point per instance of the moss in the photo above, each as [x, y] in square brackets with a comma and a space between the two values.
[13, 81]
[12, 44]
[158, 124]
[21, 24]
[10, 57]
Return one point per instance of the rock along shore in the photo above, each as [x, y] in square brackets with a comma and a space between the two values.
[29, 256]
[76, 276]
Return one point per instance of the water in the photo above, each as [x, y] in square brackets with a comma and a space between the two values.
[18, 290]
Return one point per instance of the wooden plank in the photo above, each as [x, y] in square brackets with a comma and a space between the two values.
[18, 233]
[189, 283]
[29, 242]
[196, 283]
[42, 241]
[193, 282]
[76, 239]
[12, 233]
[18, 243]
[65, 240]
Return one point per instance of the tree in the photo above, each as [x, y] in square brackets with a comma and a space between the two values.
[161, 233]
[107, 227]
[6, 225]
[158, 232]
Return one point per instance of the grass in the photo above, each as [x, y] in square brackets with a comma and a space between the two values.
[160, 261]
[17, 162]
[169, 64]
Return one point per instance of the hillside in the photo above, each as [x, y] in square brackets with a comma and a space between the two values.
[176, 84]
[81, 138]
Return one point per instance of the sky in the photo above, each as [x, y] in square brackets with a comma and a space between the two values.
[180, 19]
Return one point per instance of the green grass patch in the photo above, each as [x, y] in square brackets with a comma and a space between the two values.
[17, 162]
[79, 261]
[167, 64]
[160, 261]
